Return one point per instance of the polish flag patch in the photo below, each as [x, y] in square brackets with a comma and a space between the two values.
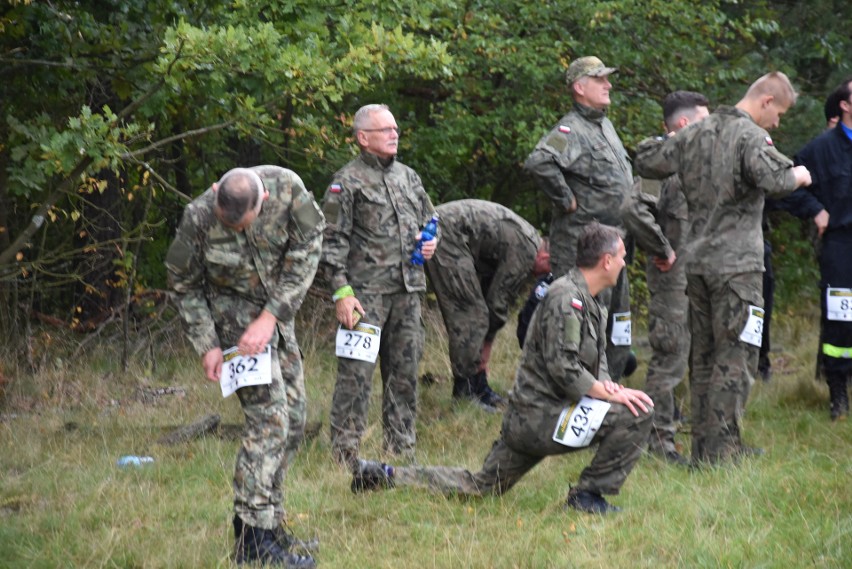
[769, 141]
[334, 188]
[577, 304]
[565, 129]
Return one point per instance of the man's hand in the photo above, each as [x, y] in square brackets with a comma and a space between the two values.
[821, 222]
[573, 207]
[802, 175]
[665, 265]
[257, 335]
[346, 307]
[633, 399]
[427, 248]
[212, 363]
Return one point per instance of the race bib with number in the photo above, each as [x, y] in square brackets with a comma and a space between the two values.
[838, 303]
[753, 330]
[621, 328]
[577, 425]
[239, 370]
[360, 343]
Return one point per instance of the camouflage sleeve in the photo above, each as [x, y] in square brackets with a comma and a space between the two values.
[562, 345]
[337, 206]
[553, 156]
[656, 157]
[186, 279]
[768, 169]
[302, 255]
[638, 212]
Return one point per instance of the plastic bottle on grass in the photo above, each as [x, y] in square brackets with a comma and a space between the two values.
[133, 460]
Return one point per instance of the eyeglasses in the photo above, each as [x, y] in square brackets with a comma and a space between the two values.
[387, 130]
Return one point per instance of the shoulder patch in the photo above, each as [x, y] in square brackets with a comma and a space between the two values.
[577, 303]
[334, 188]
[572, 330]
[565, 129]
[768, 140]
[557, 142]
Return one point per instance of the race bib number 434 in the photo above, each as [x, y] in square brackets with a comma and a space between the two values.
[577, 425]
[360, 343]
[239, 370]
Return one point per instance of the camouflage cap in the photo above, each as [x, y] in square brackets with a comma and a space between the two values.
[589, 66]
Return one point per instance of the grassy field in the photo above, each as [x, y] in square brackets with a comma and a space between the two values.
[65, 503]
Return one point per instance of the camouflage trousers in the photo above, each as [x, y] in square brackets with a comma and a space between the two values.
[526, 440]
[275, 417]
[668, 334]
[563, 257]
[475, 307]
[399, 317]
[723, 366]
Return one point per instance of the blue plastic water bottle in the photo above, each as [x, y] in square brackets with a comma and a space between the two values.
[133, 460]
[429, 232]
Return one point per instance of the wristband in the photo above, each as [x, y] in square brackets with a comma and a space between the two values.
[342, 292]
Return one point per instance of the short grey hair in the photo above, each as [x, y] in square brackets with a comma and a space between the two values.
[364, 113]
[597, 240]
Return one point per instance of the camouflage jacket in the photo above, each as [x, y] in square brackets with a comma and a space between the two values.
[374, 213]
[223, 279]
[657, 218]
[487, 232]
[565, 348]
[582, 157]
[728, 165]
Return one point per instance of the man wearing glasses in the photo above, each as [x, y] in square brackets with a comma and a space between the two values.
[584, 169]
[375, 208]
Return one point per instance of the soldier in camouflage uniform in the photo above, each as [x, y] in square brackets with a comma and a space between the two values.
[375, 207]
[666, 216]
[728, 165]
[584, 169]
[244, 255]
[487, 253]
[563, 361]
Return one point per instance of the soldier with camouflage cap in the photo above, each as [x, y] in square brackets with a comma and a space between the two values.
[376, 207]
[244, 255]
[728, 165]
[487, 253]
[583, 167]
[563, 365]
[659, 222]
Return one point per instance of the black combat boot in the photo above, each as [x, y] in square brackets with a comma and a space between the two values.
[589, 502]
[471, 389]
[487, 395]
[838, 395]
[256, 545]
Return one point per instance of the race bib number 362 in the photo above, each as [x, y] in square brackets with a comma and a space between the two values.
[239, 370]
[577, 425]
[360, 343]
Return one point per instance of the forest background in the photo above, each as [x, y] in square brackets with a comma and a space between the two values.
[115, 113]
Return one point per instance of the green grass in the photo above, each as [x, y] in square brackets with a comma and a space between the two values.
[64, 503]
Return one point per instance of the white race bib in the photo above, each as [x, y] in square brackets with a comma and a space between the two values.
[239, 370]
[621, 328]
[753, 330]
[360, 343]
[838, 303]
[577, 425]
